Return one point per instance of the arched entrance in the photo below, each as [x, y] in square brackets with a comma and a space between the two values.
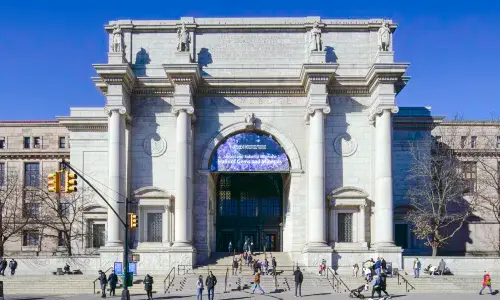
[249, 207]
[249, 169]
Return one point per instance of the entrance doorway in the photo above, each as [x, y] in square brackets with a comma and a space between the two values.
[249, 208]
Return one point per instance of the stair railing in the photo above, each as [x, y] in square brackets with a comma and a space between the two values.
[330, 274]
[225, 280]
[100, 276]
[170, 279]
[275, 276]
[407, 283]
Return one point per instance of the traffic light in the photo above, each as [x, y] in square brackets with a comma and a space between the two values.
[70, 182]
[132, 221]
[54, 182]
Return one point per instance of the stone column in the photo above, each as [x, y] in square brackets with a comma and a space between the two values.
[182, 177]
[362, 226]
[166, 225]
[383, 178]
[316, 177]
[116, 132]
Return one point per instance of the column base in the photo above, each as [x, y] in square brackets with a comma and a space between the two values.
[314, 253]
[112, 244]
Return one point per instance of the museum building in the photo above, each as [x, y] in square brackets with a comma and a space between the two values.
[278, 131]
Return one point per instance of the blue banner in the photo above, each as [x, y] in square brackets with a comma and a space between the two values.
[132, 267]
[250, 152]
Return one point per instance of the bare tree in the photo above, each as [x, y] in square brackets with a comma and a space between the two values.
[12, 219]
[62, 217]
[441, 198]
[487, 157]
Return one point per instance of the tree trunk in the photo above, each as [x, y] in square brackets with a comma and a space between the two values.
[434, 250]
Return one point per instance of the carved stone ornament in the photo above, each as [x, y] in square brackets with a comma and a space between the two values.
[384, 37]
[183, 39]
[315, 38]
[250, 120]
[345, 145]
[155, 145]
[117, 42]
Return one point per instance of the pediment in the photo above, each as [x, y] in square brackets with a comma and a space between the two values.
[151, 192]
[348, 192]
[95, 209]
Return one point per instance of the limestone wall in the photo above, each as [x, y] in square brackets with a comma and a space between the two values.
[458, 265]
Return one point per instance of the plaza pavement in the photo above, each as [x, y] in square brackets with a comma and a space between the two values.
[248, 295]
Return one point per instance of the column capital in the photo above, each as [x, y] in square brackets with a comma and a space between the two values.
[114, 75]
[122, 110]
[311, 110]
[377, 111]
[178, 108]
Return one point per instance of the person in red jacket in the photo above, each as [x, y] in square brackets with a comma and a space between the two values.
[486, 283]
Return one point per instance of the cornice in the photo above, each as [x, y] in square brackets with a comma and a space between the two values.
[251, 91]
[248, 24]
[391, 73]
[477, 152]
[348, 90]
[30, 154]
[85, 124]
[115, 74]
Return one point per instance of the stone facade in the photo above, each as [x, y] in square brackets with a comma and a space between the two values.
[169, 108]
[42, 144]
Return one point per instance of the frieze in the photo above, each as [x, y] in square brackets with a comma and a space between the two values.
[360, 90]
[299, 91]
[250, 101]
[153, 91]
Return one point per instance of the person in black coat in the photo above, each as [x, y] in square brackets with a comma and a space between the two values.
[103, 281]
[3, 266]
[112, 279]
[210, 283]
[13, 267]
[299, 277]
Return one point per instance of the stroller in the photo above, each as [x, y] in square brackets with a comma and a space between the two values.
[357, 292]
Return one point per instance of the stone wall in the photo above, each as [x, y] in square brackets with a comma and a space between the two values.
[458, 265]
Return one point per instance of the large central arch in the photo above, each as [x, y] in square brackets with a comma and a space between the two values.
[259, 226]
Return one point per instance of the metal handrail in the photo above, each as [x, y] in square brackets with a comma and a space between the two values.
[335, 278]
[225, 280]
[100, 276]
[275, 275]
[405, 281]
[170, 280]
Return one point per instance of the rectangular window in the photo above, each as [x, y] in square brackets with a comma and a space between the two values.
[2, 142]
[31, 209]
[62, 142]
[64, 209]
[98, 235]
[61, 239]
[36, 142]
[2, 175]
[32, 174]
[344, 227]
[473, 142]
[31, 238]
[27, 142]
[469, 175]
[401, 235]
[155, 221]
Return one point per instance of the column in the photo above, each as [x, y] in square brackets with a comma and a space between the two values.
[316, 172]
[362, 226]
[166, 225]
[383, 180]
[116, 125]
[183, 144]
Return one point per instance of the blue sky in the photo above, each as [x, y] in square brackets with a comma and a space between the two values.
[48, 48]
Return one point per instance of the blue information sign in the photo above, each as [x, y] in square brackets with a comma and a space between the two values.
[132, 268]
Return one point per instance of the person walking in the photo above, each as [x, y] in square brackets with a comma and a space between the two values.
[103, 281]
[199, 288]
[416, 268]
[245, 257]
[112, 279]
[383, 285]
[376, 286]
[378, 266]
[13, 267]
[299, 277]
[486, 283]
[250, 261]
[235, 267]
[240, 262]
[3, 266]
[383, 265]
[148, 286]
[230, 248]
[266, 266]
[210, 282]
[355, 270]
[256, 282]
